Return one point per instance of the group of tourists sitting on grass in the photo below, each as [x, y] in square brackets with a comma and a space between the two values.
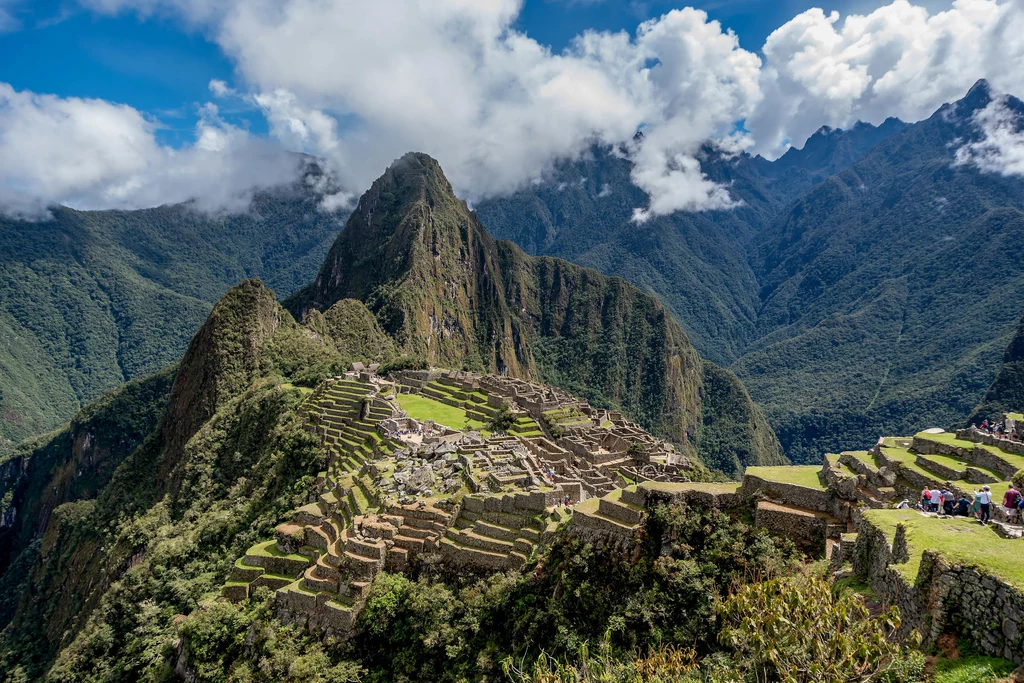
[999, 429]
[945, 502]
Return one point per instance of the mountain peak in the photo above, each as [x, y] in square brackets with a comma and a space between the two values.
[978, 97]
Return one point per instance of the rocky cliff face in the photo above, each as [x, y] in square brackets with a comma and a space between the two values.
[445, 290]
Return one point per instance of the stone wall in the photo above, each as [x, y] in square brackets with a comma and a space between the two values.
[981, 608]
[703, 498]
[972, 434]
[799, 496]
[805, 527]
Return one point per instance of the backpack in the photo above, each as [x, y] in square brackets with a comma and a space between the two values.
[1017, 500]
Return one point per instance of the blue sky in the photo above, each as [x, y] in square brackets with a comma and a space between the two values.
[102, 109]
[162, 67]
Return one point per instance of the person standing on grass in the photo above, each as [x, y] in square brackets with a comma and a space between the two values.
[1010, 502]
[985, 499]
[936, 499]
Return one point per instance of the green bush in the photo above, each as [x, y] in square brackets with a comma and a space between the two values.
[503, 420]
[1018, 480]
[799, 630]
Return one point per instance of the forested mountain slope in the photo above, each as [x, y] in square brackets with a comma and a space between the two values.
[91, 299]
[1006, 394]
[889, 291]
[867, 285]
[696, 262]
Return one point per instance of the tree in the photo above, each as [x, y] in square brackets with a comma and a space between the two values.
[503, 420]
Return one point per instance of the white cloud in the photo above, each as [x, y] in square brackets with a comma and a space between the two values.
[361, 83]
[899, 60]
[1000, 148]
[88, 153]
[220, 88]
[8, 19]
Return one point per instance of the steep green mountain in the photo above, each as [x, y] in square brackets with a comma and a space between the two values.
[888, 290]
[1006, 393]
[863, 287]
[697, 263]
[448, 292]
[91, 299]
[128, 516]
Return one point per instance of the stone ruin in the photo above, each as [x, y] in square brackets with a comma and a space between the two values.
[400, 492]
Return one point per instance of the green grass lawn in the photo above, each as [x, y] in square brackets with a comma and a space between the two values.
[804, 475]
[973, 669]
[947, 461]
[865, 457]
[960, 540]
[270, 549]
[422, 408]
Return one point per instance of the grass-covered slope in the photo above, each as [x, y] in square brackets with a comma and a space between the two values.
[91, 299]
[447, 292]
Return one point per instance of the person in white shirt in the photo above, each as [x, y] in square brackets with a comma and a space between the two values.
[985, 499]
[936, 500]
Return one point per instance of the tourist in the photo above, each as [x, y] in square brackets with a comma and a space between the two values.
[975, 510]
[926, 499]
[963, 506]
[948, 501]
[985, 499]
[1011, 503]
[935, 499]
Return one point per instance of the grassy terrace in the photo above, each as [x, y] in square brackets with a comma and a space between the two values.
[422, 408]
[678, 487]
[865, 457]
[908, 460]
[960, 540]
[805, 475]
[950, 439]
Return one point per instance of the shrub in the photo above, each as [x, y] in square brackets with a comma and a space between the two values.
[799, 629]
[1018, 480]
[503, 420]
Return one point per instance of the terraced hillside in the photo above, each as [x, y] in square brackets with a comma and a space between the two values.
[946, 573]
[419, 466]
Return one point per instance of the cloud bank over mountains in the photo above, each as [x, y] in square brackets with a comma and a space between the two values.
[361, 83]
